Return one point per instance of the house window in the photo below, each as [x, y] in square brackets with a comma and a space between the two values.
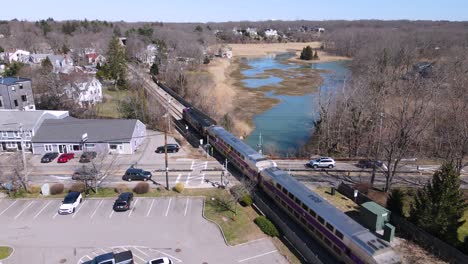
[90, 145]
[24, 98]
[17, 134]
[48, 148]
[16, 103]
[4, 133]
[75, 147]
[1, 103]
[27, 144]
[113, 146]
[21, 86]
[27, 133]
[11, 145]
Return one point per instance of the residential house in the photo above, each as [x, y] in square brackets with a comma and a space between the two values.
[37, 58]
[17, 55]
[252, 32]
[61, 63]
[16, 93]
[271, 33]
[86, 91]
[225, 52]
[149, 55]
[94, 59]
[115, 136]
[18, 125]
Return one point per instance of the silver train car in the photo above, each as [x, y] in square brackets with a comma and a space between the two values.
[341, 235]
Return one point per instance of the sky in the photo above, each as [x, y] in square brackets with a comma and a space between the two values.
[233, 10]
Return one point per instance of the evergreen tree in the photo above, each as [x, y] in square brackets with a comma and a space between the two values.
[116, 67]
[306, 53]
[64, 49]
[440, 205]
[13, 69]
[199, 28]
[395, 202]
[2, 49]
[47, 66]
[154, 70]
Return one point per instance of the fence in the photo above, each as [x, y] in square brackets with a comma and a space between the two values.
[290, 235]
[412, 232]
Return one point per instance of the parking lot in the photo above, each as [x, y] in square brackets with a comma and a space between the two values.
[154, 227]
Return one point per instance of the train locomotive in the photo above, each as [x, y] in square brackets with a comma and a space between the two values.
[343, 237]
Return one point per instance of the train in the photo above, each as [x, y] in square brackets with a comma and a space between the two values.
[344, 238]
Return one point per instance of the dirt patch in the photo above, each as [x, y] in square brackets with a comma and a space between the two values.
[414, 254]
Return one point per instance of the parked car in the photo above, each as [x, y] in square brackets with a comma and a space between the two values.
[87, 156]
[48, 157]
[171, 148]
[323, 162]
[123, 202]
[65, 157]
[85, 173]
[125, 257]
[136, 174]
[162, 260]
[369, 164]
[69, 204]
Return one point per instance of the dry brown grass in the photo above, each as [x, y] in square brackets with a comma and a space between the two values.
[414, 254]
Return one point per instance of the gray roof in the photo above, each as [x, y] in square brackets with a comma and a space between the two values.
[13, 80]
[70, 130]
[10, 119]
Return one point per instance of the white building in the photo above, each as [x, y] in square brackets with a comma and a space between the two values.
[86, 91]
[149, 55]
[17, 55]
[252, 32]
[61, 63]
[271, 33]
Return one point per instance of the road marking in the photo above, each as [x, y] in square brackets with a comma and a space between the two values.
[135, 255]
[95, 210]
[141, 251]
[186, 207]
[206, 164]
[191, 166]
[103, 251]
[188, 178]
[178, 177]
[151, 206]
[169, 206]
[8, 207]
[133, 208]
[24, 209]
[202, 178]
[79, 208]
[55, 215]
[257, 256]
[87, 257]
[110, 216]
[43, 208]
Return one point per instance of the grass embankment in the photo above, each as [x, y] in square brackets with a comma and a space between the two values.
[5, 252]
[109, 106]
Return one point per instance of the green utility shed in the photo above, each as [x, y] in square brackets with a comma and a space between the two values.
[374, 216]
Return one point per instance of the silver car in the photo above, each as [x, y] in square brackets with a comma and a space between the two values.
[324, 162]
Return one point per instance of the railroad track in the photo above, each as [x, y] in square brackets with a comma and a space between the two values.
[175, 107]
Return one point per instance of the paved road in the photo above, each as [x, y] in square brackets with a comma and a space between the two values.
[155, 227]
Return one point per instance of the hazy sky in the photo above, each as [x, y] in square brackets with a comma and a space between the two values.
[233, 10]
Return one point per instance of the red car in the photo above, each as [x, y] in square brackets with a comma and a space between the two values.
[65, 157]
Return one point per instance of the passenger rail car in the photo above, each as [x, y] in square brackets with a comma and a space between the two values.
[341, 235]
[198, 120]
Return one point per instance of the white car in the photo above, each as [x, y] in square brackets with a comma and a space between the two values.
[162, 260]
[324, 162]
[69, 204]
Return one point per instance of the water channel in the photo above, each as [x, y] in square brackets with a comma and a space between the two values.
[288, 125]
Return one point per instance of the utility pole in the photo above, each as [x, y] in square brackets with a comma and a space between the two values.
[225, 172]
[25, 166]
[165, 142]
[260, 143]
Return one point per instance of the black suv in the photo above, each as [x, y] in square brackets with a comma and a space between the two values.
[136, 174]
[171, 148]
[48, 157]
[87, 156]
[123, 201]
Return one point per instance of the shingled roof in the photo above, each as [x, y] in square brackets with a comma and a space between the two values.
[70, 130]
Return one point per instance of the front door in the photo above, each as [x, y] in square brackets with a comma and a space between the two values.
[62, 148]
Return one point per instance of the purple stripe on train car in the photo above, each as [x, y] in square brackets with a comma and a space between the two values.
[240, 160]
[314, 223]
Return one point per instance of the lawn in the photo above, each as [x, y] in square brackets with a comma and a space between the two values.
[109, 107]
[5, 252]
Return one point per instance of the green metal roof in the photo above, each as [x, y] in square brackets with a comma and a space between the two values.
[375, 208]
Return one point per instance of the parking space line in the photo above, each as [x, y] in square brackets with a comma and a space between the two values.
[110, 216]
[206, 164]
[133, 208]
[141, 251]
[186, 207]
[168, 206]
[103, 251]
[202, 178]
[191, 166]
[79, 208]
[135, 255]
[178, 178]
[8, 207]
[24, 209]
[257, 256]
[95, 210]
[55, 215]
[43, 208]
[188, 178]
[151, 206]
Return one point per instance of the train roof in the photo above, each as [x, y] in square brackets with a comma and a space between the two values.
[351, 229]
[237, 144]
[204, 120]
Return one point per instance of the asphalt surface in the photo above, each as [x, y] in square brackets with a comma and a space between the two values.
[154, 227]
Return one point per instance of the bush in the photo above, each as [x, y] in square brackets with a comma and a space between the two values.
[77, 187]
[266, 226]
[141, 188]
[34, 189]
[246, 200]
[56, 188]
[179, 187]
[121, 188]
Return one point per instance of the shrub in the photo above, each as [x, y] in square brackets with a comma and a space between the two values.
[56, 188]
[141, 188]
[34, 189]
[246, 200]
[179, 187]
[77, 187]
[121, 188]
[266, 226]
